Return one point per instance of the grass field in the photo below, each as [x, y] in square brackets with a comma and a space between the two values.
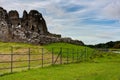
[80, 71]
[104, 66]
[20, 51]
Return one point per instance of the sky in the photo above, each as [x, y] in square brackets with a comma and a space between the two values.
[91, 21]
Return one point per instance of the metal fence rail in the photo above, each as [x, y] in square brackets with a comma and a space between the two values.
[28, 58]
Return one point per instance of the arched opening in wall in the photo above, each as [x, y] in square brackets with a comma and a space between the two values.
[26, 24]
[39, 31]
[2, 24]
[32, 28]
[18, 25]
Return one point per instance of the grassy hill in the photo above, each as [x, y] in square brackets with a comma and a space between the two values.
[103, 66]
[70, 48]
[70, 53]
[111, 44]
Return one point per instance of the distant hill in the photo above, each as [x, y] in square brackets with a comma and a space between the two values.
[111, 44]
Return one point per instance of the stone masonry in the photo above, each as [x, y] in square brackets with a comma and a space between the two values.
[31, 28]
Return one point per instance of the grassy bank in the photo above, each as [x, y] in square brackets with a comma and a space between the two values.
[70, 53]
[103, 66]
[70, 49]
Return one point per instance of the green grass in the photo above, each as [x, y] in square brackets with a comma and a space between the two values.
[19, 48]
[80, 71]
[63, 45]
[103, 66]
[22, 48]
[6, 47]
[70, 49]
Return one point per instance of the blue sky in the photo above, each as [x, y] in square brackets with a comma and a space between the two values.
[92, 21]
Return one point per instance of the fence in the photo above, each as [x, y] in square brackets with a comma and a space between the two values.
[16, 59]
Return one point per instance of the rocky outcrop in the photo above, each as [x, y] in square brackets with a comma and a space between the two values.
[31, 28]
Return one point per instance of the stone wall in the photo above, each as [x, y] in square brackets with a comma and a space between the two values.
[31, 28]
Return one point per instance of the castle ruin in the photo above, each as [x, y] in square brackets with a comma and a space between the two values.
[31, 28]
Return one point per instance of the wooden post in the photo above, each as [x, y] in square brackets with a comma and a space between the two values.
[77, 56]
[29, 58]
[42, 57]
[61, 55]
[85, 54]
[72, 55]
[81, 55]
[11, 59]
[52, 56]
[67, 55]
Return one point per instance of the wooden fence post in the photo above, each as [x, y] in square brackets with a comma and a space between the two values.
[11, 60]
[42, 57]
[77, 56]
[72, 55]
[81, 55]
[85, 54]
[52, 56]
[67, 55]
[61, 55]
[29, 58]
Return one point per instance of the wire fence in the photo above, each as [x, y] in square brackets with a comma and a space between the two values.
[17, 59]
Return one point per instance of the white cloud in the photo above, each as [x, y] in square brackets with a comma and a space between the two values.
[112, 10]
[71, 23]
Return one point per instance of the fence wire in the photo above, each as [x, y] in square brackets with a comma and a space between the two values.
[14, 59]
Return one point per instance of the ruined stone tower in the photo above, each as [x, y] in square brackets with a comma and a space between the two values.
[31, 28]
